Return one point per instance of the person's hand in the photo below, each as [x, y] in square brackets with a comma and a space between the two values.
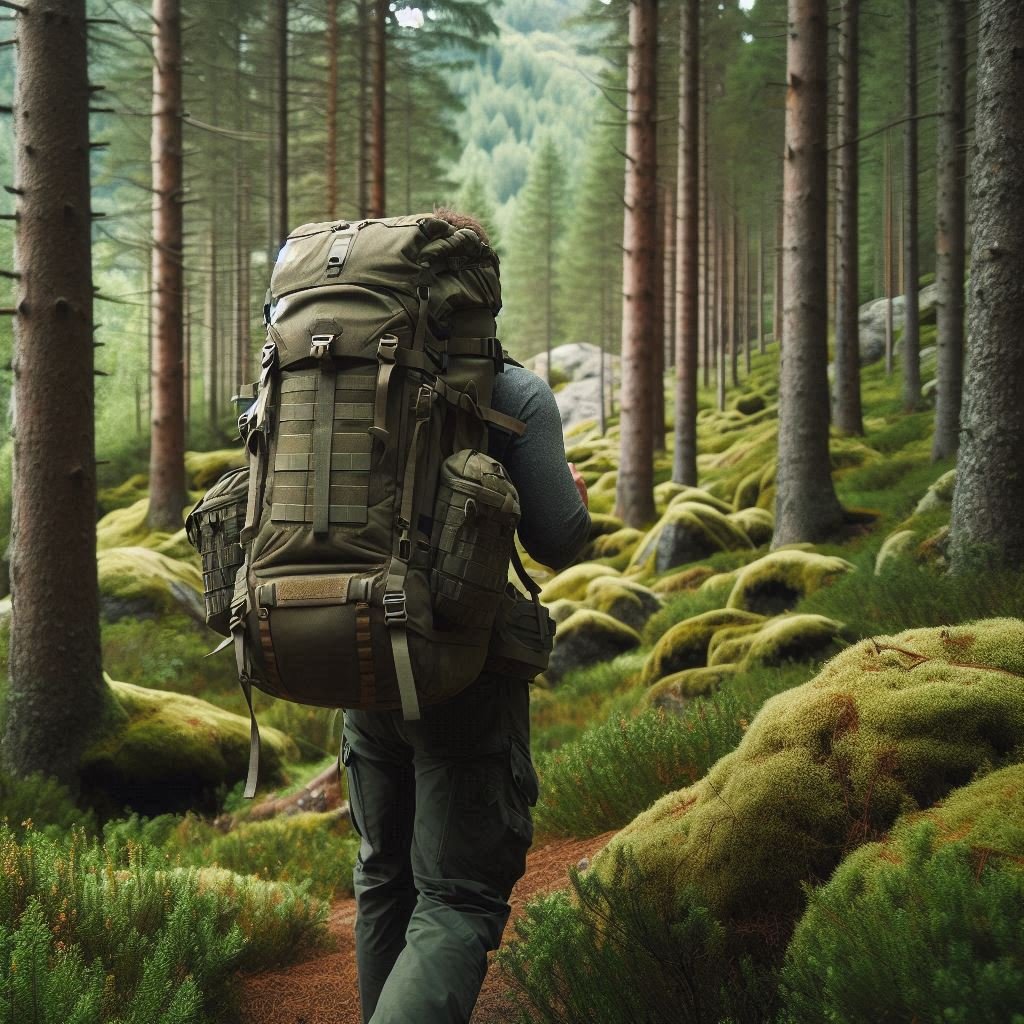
[580, 483]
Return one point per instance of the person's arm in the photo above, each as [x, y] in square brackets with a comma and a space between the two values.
[555, 523]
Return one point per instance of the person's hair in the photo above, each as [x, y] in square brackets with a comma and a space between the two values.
[462, 220]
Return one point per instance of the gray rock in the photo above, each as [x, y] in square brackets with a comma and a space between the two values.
[586, 638]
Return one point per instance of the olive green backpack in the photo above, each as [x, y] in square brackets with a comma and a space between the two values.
[362, 560]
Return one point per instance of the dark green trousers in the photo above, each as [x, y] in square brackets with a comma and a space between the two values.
[442, 807]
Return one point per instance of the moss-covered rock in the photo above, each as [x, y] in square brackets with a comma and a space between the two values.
[688, 532]
[939, 495]
[626, 600]
[940, 901]
[135, 488]
[685, 579]
[572, 583]
[602, 525]
[616, 547]
[757, 523]
[142, 583]
[685, 645]
[887, 727]
[585, 638]
[674, 692]
[702, 497]
[776, 582]
[664, 493]
[561, 609]
[204, 469]
[896, 546]
[794, 638]
[128, 527]
[749, 404]
[605, 484]
[718, 586]
[729, 646]
[159, 751]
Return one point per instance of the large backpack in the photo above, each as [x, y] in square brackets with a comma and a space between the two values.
[377, 532]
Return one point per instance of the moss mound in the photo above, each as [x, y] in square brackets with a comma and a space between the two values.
[757, 523]
[587, 637]
[626, 600]
[561, 609]
[204, 469]
[572, 583]
[794, 638]
[685, 579]
[135, 488]
[940, 902]
[616, 547]
[896, 546]
[778, 581]
[161, 751]
[142, 583]
[700, 496]
[688, 532]
[939, 495]
[889, 726]
[685, 645]
[673, 692]
[729, 646]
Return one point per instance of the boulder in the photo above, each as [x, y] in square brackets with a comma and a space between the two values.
[573, 582]
[750, 404]
[794, 638]
[138, 582]
[701, 496]
[159, 751]
[718, 586]
[729, 646]
[204, 469]
[890, 726]
[895, 547]
[757, 523]
[776, 582]
[674, 692]
[618, 546]
[685, 645]
[561, 609]
[939, 495]
[688, 532]
[588, 637]
[685, 579]
[626, 600]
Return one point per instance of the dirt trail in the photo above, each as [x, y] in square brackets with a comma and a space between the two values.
[322, 990]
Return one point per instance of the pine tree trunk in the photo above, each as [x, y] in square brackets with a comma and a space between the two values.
[212, 381]
[658, 327]
[734, 293]
[705, 192]
[167, 494]
[950, 227]
[777, 286]
[365, 9]
[806, 505]
[56, 694]
[720, 301]
[331, 170]
[887, 242]
[635, 487]
[378, 112]
[760, 283]
[670, 231]
[684, 461]
[848, 415]
[745, 293]
[987, 528]
[911, 324]
[243, 313]
[281, 187]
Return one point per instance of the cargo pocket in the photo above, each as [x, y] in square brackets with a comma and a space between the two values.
[355, 797]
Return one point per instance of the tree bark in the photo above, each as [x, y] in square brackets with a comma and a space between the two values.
[734, 292]
[760, 283]
[684, 461]
[167, 493]
[777, 274]
[635, 487]
[243, 312]
[848, 414]
[987, 527]
[365, 8]
[806, 505]
[378, 110]
[745, 298]
[669, 233]
[705, 195]
[950, 227]
[331, 170]
[281, 187]
[212, 382]
[658, 328]
[911, 323]
[720, 304]
[56, 693]
[887, 242]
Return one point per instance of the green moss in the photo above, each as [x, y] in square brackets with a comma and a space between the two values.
[674, 691]
[702, 497]
[718, 586]
[204, 469]
[940, 902]
[605, 484]
[561, 609]
[729, 645]
[134, 489]
[748, 490]
[684, 579]
[162, 751]
[888, 726]
[898, 544]
[626, 600]
[138, 581]
[779, 580]
[794, 638]
[695, 529]
[757, 523]
[572, 583]
[585, 638]
[128, 528]
[617, 548]
[685, 645]
[601, 525]
[749, 404]
[939, 495]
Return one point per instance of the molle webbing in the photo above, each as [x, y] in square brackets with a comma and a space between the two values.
[322, 462]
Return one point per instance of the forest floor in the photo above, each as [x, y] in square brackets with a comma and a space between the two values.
[322, 989]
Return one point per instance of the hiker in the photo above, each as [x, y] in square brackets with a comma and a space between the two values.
[443, 804]
[361, 561]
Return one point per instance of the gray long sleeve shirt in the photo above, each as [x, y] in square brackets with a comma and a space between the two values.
[555, 523]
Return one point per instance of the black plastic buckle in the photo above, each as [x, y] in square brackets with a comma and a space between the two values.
[394, 608]
[423, 402]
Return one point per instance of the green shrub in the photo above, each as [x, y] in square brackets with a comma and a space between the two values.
[606, 952]
[95, 932]
[41, 803]
[927, 926]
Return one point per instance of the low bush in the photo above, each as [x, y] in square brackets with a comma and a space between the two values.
[41, 803]
[113, 932]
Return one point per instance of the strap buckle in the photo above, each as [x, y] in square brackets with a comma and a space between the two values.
[386, 348]
[394, 608]
[320, 345]
[424, 398]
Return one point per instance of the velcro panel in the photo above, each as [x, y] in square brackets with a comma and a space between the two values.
[312, 589]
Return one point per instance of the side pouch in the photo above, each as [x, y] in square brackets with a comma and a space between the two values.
[214, 529]
[475, 518]
[522, 637]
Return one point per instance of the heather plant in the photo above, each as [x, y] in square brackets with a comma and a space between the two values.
[117, 933]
